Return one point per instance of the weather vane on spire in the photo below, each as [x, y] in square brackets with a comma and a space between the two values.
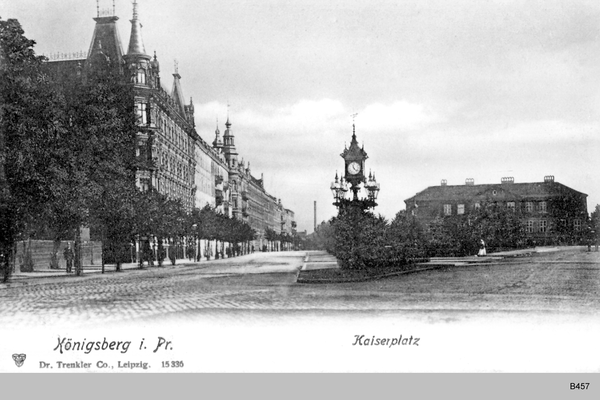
[353, 127]
[176, 66]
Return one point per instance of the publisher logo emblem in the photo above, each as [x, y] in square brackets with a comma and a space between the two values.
[19, 359]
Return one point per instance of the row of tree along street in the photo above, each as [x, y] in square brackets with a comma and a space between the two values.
[67, 160]
[359, 239]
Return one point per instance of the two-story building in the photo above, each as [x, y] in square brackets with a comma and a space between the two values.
[550, 211]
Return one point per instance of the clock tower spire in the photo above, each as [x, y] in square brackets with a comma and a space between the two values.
[354, 160]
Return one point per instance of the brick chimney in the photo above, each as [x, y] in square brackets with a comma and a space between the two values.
[549, 178]
[469, 181]
[443, 182]
[508, 179]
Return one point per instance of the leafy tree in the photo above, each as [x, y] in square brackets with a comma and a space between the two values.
[458, 235]
[29, 114]
[407, 234]
[595, 223]
[101, 143]
[69, 145]
[157, 216]
[360, 238]
[323, 237]
[271, 236]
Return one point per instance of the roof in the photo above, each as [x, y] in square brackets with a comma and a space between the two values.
[177, 93]
[136, 44]
[107, 39]
[499, 191]
[354, 152]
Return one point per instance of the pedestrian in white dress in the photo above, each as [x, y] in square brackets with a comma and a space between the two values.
[482, 252]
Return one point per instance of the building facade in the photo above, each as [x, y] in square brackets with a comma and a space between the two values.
[212, 178]
[166, 140]
[550, 212]
[247, 198]
[172, 157]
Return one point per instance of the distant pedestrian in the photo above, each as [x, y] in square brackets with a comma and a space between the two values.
[482, 252]
[69, 256]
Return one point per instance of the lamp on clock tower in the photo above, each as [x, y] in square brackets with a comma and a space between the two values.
[354, 174]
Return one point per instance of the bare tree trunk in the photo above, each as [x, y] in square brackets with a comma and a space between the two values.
[5, 261]
[55, 256]
[77, 245]
[160, 254]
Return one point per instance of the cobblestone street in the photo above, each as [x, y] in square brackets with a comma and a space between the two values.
[243, 287]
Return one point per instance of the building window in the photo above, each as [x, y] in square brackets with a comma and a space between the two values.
[477, 205]
[577, 224]
[460, 209]
[142, 113]
[141, 77]
[542, 206]
[530, 226]
[145, 184]
[529, 206]
[510, 205]
[543, 226]
[447, 209]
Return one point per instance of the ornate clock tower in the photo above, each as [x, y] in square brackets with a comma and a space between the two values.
[354, 174]
[354, 160]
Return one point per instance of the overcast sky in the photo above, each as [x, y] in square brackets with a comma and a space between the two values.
[443, 89]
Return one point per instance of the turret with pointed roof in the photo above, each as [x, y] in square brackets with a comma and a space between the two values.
[141, 69]
[218, 142]
[229, 146]
[106, 43]
[136, 43]
[177, 92]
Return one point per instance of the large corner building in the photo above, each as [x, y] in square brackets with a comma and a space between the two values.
[173, 157]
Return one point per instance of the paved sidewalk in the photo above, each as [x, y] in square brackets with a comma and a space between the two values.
[44, 275]
[252, 264]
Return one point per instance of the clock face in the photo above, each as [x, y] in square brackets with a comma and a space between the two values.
[353, 168]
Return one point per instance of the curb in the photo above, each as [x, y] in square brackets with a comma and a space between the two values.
[24, 280]
[371, 278]
[303, 266]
